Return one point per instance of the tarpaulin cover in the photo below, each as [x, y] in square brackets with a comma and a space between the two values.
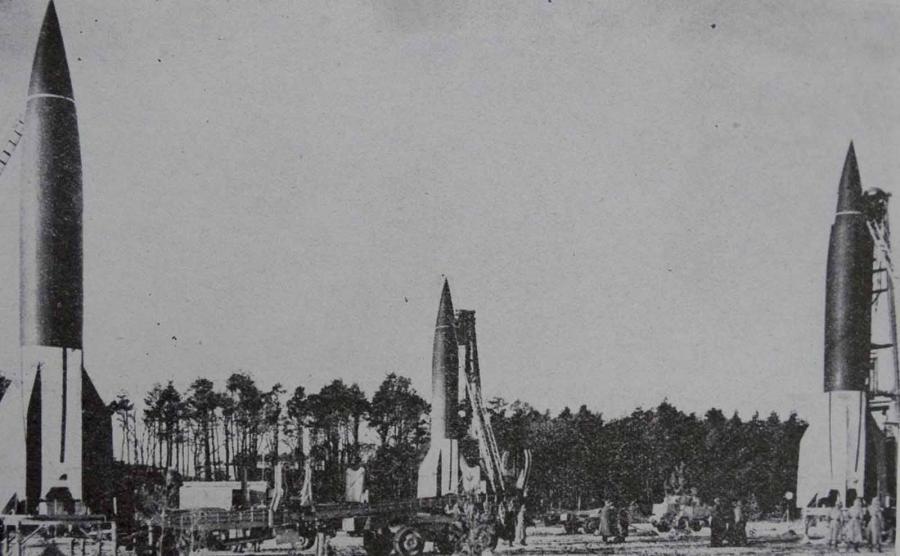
[355, 488]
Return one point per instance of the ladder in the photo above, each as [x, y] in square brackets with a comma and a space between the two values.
[883, 289]
[12, 142]
[481, 422]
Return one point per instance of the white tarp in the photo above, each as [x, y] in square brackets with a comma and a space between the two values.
[470, 482]
[213, 494]
[355, 485]
[306, 493]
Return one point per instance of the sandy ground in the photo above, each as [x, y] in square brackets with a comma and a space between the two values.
[767, 538]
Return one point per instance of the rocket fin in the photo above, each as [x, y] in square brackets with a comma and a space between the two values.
[96, 447]
[429, 473]
[876, 460]
[12, 460]
[813, 468]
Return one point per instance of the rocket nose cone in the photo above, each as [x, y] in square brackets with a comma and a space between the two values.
[850, 189]
[445, 309]
[50, 72]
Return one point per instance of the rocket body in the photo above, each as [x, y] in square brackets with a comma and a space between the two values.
[439, 472]
[444, 371]
[848, 294]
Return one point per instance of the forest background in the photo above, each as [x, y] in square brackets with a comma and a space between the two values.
[579, 457]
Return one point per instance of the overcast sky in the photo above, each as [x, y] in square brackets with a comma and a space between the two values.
[635, 197]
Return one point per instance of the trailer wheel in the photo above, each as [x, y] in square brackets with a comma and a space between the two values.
[696, 525]
[408, 542]
[307, 540]
[590, 526]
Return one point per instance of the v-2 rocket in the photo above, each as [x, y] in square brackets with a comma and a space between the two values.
[67, 430]
[439, 472]
[833, 455]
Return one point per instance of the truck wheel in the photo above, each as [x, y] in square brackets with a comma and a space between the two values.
[408, 542]
[307, 540]
[590, 526]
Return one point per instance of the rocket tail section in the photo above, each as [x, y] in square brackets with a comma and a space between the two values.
[832, 462]
[439, 472]
[56, 429]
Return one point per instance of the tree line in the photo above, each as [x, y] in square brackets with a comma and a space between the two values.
[241, 430]
[579, 458]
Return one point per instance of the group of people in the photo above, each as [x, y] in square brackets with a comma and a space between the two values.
[614, 523]
[510, 514]
[856, 524]
[728, 523]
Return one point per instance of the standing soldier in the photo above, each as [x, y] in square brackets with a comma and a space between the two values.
[788, 502]
[508, 520]
[876, 524]
[855, 516]
[613, 521]
[605, 529]
[739, 527]
[520, 523]
[717, 523]
[835, 524]
[624, 522]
